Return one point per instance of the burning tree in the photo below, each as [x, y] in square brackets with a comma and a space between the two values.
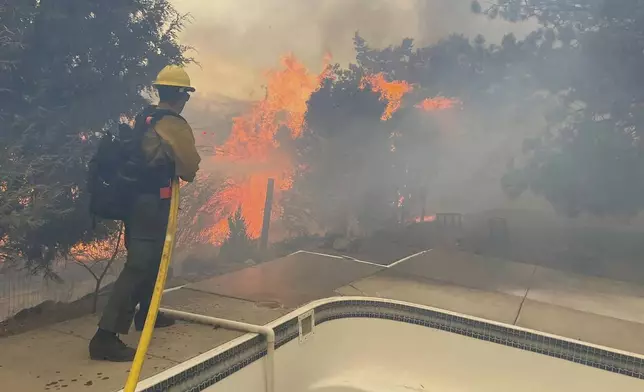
[335, 139]
[367, 128]
[259, 147]
[345, 150]
[323, 137]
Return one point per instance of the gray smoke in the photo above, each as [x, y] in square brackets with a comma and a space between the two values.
[236, 40]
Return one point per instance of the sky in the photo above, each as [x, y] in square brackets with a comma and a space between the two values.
[235, 41]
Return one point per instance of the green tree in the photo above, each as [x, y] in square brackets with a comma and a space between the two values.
[345, 150]
[68, 71]
[238, 247]
[362, 166]
[590, 157]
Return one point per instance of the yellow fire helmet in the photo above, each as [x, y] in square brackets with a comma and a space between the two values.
[174, 75]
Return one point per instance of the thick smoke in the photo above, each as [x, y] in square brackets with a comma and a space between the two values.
[237, 40]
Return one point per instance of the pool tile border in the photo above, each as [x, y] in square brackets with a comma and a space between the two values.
[215, 369]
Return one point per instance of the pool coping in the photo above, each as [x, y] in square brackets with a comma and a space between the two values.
[213, 366]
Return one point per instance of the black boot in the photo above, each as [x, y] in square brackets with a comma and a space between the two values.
[162, 321]
[106, 346]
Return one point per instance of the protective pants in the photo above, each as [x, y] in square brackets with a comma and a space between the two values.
[145, 231]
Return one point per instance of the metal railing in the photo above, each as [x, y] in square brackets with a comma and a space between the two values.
[267, 332]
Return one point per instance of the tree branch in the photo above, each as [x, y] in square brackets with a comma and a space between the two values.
[114, 254]
[88, 268]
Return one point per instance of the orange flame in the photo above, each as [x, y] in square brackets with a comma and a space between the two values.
[392, 92]
[254, 150]
[437, 103]
[95, 251]
[430, 218]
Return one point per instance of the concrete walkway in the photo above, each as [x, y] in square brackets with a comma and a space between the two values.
[601, 311]
[596, 310]
[56, 358]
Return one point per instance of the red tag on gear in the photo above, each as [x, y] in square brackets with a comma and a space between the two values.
[165, 193]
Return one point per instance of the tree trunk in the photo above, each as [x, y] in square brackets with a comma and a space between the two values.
[95, 301]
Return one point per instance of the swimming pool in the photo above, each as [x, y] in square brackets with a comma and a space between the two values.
[359, 344]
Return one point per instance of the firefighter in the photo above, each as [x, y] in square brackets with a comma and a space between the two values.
[169, 150]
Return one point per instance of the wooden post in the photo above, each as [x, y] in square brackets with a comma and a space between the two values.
[403, 212]
[268, 206]
[423, 200]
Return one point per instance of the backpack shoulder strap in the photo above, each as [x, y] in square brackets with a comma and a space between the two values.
[156, 115]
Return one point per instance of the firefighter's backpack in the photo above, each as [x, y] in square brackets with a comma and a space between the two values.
[118, 164]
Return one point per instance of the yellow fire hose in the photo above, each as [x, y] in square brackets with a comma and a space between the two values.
[146, 335]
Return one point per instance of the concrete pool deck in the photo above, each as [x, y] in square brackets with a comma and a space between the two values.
[596, 310]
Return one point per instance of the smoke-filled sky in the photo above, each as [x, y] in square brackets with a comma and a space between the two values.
[236, 40]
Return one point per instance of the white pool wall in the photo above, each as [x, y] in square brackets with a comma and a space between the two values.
[380, 355]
